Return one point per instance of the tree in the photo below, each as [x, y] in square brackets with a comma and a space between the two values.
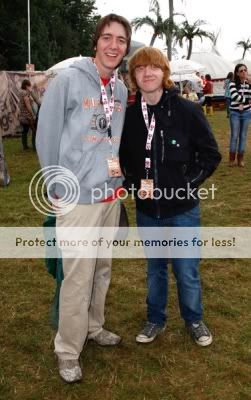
[246, 45]
[161, 27]
[169, 31]
[189, 32]
[214, 38]
[59, 29]
[157, 23]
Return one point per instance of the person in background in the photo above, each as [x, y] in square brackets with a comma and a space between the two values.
[27, 114]
[79, 128]
[198, 85]
[37, 101]
[240, 114]
[227, 81]
[208, 93]
[167, 144]
[189, 94]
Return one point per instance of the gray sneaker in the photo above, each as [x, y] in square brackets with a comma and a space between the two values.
[69, 370]
[149, 333]
[106, 338]
[200, 333]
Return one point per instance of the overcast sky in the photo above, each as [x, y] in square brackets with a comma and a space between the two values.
[232, 18]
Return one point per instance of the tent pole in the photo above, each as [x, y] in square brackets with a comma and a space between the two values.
[29, 33]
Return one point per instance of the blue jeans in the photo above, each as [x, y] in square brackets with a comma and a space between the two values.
[239, 122]
[228, 102]
[186, 271]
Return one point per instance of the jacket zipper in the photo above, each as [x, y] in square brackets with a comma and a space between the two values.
[155, 172]
[198, 176]
[162, 147]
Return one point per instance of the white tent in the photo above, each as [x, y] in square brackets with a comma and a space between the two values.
[69, 61]
[133, 47]
[182, 70]
[63, 64]
[183, 66]
[184, 77]
[218, 67]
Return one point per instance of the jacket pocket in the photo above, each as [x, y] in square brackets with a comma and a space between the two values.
[79, 163]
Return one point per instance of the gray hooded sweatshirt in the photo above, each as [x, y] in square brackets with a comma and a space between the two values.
[72, 132]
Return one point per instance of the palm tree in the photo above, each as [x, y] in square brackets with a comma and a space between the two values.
[169, 33]
[246, 45]
[161, 27]
[156, 23]
[214, 38]
[189, 32]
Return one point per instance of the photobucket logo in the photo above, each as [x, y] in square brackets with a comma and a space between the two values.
[43, 184]
[183, 193]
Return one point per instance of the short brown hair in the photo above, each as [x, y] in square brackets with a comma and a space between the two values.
[107, 20]
[149, 56]
[26, 83]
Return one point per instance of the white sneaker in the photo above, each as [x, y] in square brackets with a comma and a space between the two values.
[105, 338]
[149, 333]
[69, 370]
[200, 333]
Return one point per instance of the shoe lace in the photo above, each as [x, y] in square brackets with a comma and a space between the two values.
[200, 330]
[149, 328]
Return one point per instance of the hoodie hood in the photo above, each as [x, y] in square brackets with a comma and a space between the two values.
[87, 66]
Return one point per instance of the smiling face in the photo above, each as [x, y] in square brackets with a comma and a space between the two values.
[111, 48]
[149, 78]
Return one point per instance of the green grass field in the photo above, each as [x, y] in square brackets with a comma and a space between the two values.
[172, 367]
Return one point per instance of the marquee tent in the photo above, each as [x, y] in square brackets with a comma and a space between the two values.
[69, 61]
[215, 65]
[63, 64]
[184, 70]
[52, 71]
[183, 66]
[134, 46]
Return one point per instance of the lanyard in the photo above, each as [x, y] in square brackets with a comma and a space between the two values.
[108, 105]
[150, 132]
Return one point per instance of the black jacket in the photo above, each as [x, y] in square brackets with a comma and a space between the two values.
[183, 151]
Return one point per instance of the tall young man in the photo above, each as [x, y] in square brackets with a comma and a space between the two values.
[167, 146]
[80, 125]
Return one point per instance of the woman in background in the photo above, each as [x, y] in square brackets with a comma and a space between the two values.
[208, 93]
[189, 93]
[27, 115]
[228, 79]
[240, 114]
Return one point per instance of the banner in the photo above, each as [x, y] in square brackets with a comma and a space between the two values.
[106, 242]
[10, 84]
[4, 176]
